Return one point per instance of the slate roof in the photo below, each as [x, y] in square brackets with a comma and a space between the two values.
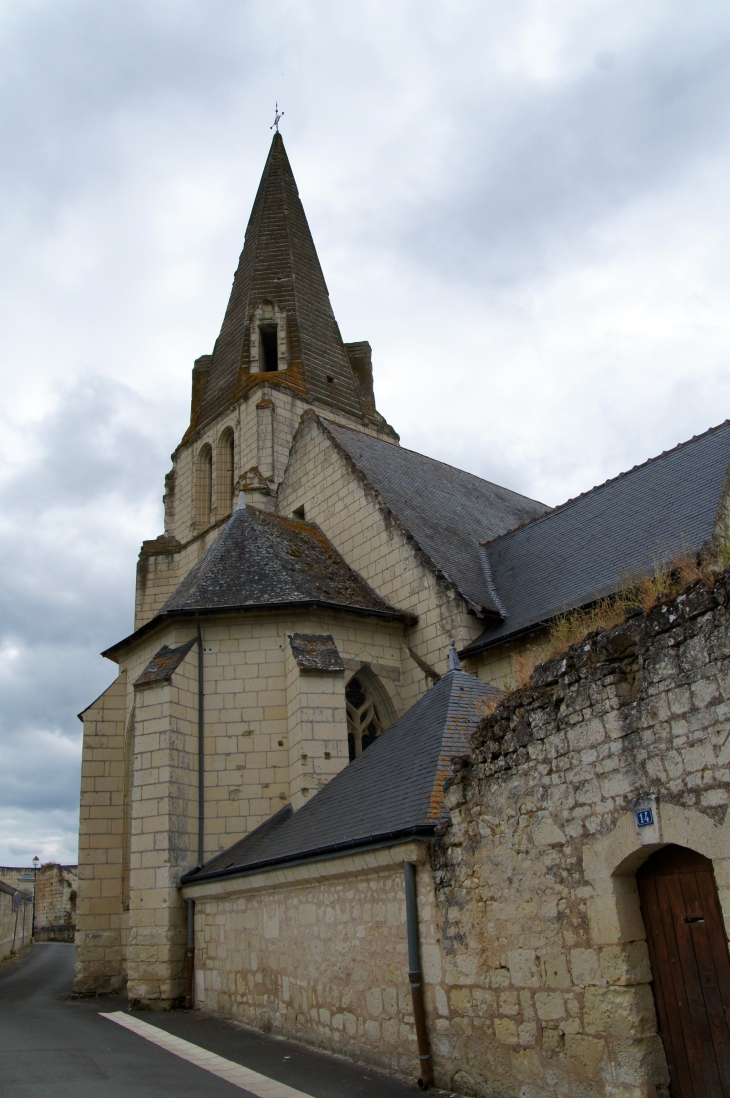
[279, 264]
[447, 511]
[164, 663]
[315, 652]
[590, 545]
[262, 559]
[393, 790]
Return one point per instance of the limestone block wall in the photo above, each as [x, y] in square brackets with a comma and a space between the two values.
[317, 729]
[319, 953]
[56, 890]
[249, 736]
[320, 479]
[546, 969]
[163, 836]
[99, 944]
[247, 721]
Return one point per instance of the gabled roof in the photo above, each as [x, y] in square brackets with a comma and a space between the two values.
[447, 511]
[263, 559]
[590, 546]
[392, 791]
[279, 264]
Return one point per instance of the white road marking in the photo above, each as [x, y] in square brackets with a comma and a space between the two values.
[260, 1085]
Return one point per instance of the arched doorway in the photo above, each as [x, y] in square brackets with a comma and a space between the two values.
[690, 968]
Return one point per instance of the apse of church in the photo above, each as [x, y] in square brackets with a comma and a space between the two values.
[310, 761]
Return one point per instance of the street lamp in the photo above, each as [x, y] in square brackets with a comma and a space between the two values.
[36, 863]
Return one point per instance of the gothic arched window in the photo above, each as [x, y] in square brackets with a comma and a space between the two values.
[364, 723]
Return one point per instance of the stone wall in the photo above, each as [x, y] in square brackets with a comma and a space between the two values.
[139, 774]
[318, 953]
[100, 917]
[55, 903]
[15, 923]
[543, 940]
[322, 480]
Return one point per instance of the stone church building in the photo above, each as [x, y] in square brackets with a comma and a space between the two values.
[313, 799]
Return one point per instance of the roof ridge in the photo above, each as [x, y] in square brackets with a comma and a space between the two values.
[436, 461]
[605, 483]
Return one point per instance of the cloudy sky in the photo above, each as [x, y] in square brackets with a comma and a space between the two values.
[523, 206]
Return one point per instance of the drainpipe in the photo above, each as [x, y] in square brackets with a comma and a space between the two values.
[201, 749]
[190, 957]
[190, 948]
[415, 977]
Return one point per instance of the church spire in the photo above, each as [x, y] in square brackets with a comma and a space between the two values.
[279, 319]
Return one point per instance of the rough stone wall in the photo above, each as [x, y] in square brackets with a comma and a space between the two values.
[543, 940]
[99, 905]
[55, 902]
[321, 958]
[320, 479]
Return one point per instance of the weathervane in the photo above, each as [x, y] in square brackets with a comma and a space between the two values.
[277, 116]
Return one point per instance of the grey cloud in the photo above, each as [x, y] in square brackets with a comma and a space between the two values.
[542, 166]
[75, 511]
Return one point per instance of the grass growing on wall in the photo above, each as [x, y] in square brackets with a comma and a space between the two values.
[669, 579]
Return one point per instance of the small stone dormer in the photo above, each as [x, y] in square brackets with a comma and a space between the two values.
[268, 347]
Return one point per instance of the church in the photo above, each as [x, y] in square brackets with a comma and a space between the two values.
[323, 797]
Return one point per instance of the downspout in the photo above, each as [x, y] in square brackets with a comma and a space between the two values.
[190, 947]
[190, 957]
[201, 749]
[416, 978]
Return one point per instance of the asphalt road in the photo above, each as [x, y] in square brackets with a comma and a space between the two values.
[55, 1047]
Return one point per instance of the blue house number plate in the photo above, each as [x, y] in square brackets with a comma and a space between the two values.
[645, 818]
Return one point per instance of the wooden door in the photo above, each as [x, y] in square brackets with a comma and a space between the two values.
[690, 969]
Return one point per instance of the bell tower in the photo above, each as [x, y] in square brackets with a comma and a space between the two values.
[279, 353]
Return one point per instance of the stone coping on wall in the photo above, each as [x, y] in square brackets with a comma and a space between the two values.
[307, 873]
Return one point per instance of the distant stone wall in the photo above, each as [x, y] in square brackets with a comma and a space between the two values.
[546, 969]
[55, 903]
[15, 922]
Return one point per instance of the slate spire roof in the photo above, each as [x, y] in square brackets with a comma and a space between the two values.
[394, 790]
[279, 265]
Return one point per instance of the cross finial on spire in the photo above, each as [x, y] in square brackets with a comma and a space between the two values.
[277, 118]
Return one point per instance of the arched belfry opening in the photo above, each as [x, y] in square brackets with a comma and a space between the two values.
[224, 473]
[203, 487]
[688, 952]
[369, 711]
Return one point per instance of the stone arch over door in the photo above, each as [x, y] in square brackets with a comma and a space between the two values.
[614, 908]
[690, 967]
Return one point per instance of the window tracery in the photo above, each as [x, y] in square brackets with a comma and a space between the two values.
[364, 723]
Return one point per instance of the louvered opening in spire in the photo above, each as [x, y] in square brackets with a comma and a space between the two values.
[279, 321]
